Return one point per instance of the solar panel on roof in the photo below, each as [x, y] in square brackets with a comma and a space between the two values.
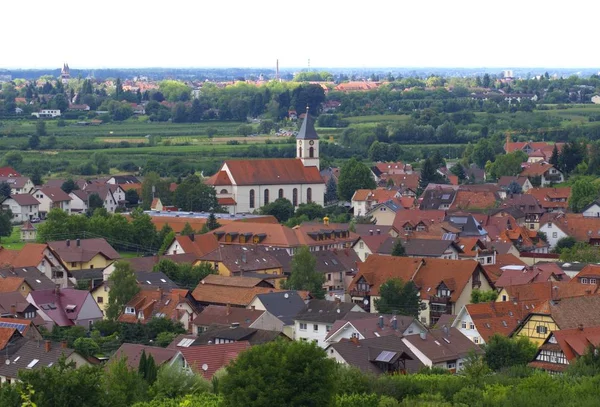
[448, 236]
[446, 196]
[18, 327]
[385, 356]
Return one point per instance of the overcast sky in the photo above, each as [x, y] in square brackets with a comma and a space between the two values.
[331, 33]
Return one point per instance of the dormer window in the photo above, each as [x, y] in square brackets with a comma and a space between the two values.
[130, 310]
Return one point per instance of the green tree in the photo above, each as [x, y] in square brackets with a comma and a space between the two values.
[212, 223]
[428, 174]
[165, 231]
[179, 114]
[502, 352]
[94, 202]
[583, 193]
[458, 170]
[281, 208]
[196, 112]
[398, 297]
[187, 230]
[508, 164]
[304, 275]
[478, 295]
[483, 152]
[63, 385]
[36, 176]
[193, 195]
[566, 242]
[154, 187]
[123, 386]
[143, 230]
[34, 142]
[132, 197]
[6, 226]
[123, 288]
[167, 240]
[398, 249]
[69, 186]
[354, 175]
[40, 129]
[331, 191]
[311, 210]
[101, 162]
[280, 373]
[555, 157]
[172, 382]
[5, 190]
[581, 252]
[86, 347]
[56, 226]
[13, 159]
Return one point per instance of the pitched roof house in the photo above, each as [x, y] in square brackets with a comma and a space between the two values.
[133, 353]
[84, 253]
[546, 172]
[224, 316]
[24, 207]
[52, 198]
[66, 307]
[207, 359]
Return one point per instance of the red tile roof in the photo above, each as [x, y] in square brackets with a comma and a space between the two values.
[414, 216]
[548, 290]
[133, 353]
[475, 200]
[222, 315]
[575, 342]
[220, 178]
[9, 172]
[275, 171]
[200, 245]
[536, 169]
[499, 317]
[207, 359]
[226, 201]
[10, 284]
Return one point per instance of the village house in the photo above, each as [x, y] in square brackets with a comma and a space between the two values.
[51, 198]
[37, 255]
[224, 316]
[444, 285]
[523, 182]
[552, 199]
[575, 225]
[234, 260]
[544, 172]
[28, 232]
[529, 205]
[280, 310]
[251, 184]
[377, 355]
[384, 213]
[444, 348]
[24, 207]
[362, 325]
[217, 334]
[84, 253]
[18, 184]
[314, 322]
[66, 307]
[364, 199]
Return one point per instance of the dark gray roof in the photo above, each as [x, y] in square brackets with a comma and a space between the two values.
[433, 198]
[284, 305]
[15, 298]
[88, 274]
[428, 247]
[307, 131]
[35, 278]
[23, 359]
[126, 179]
[467, 224]
[324, 311]
[440, 346]
[363, 353]
[254, 336]
[154, 279]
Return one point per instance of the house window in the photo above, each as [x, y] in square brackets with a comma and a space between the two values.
[302, 326]
[464, 325]
[295, 197]
[489, 260]
[251, 198]
[223, 191]
[361, 245]
[100, 300]
[531, 226]
[554, 235]
[130, 310]
[73, 264]
[311, 152]
[299, 151]
[540, 329]
[315, 327]
[592, 281]
[329, 277]
[471, 325]
[476, 339]
[30, 315]
[327, 328]
[452, 365]
[266, 197]
[584, 280]
[309, 195]
[354, 335]
[280, 195]
[504, 298]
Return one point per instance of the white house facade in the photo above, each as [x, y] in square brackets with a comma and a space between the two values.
[24, 207]
[553, 233]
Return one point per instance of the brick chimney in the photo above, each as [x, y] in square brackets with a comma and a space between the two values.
[47, 346]
[13, 310]
[63, 344]
[354, 340]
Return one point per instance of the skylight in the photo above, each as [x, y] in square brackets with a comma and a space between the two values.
[32, 363]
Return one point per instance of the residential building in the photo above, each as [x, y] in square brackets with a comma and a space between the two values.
[33, 355]
[529, 205]
[444, 285]
[47, 113]
[14, 305]
[132, 352]
[18, 184]
[199, 245]
[28, 232]
[25, 327]
[437, 198]
[384, 213]
[523, 182]
[544, 291]
[84, 253]
[552, 199]
[558, 226]
[363, 325]
[11, 284]
[36, 255]
[563, 347]
[543, 171]
[592, 210]
[234, 260]
[52, 198]
[205, 360]
[445, 348]
[225, 316]
[555, 315]
[280, 309]
[236, 296]
[416, 220]
[218, 334]
[24, 207]
[314, 322]
[66, 307]
[251, 184]
[364, 200]
[151, 303]
[378, 355]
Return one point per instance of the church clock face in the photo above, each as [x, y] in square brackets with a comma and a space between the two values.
[311, 142]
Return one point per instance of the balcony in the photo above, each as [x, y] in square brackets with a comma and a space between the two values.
[435, 300]
[360, 293]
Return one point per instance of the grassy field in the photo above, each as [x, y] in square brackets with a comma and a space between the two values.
[14, 240]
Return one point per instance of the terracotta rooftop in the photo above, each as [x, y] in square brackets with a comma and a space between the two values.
[222, 315]
[274, 171]
[83, 250]
[207, 359]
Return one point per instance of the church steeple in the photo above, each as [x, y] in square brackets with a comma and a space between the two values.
[308, 142]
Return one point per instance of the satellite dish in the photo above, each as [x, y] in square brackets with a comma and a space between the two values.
[286, 295]
[366, 302]
[338, 311]
[7, 362]
[205, 367]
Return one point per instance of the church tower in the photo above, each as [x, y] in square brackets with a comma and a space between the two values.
[65, 73]
[307, 143]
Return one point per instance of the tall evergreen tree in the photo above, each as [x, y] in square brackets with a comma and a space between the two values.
[428, 174]
[398, 250]
[187, 230]
[554, 159]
